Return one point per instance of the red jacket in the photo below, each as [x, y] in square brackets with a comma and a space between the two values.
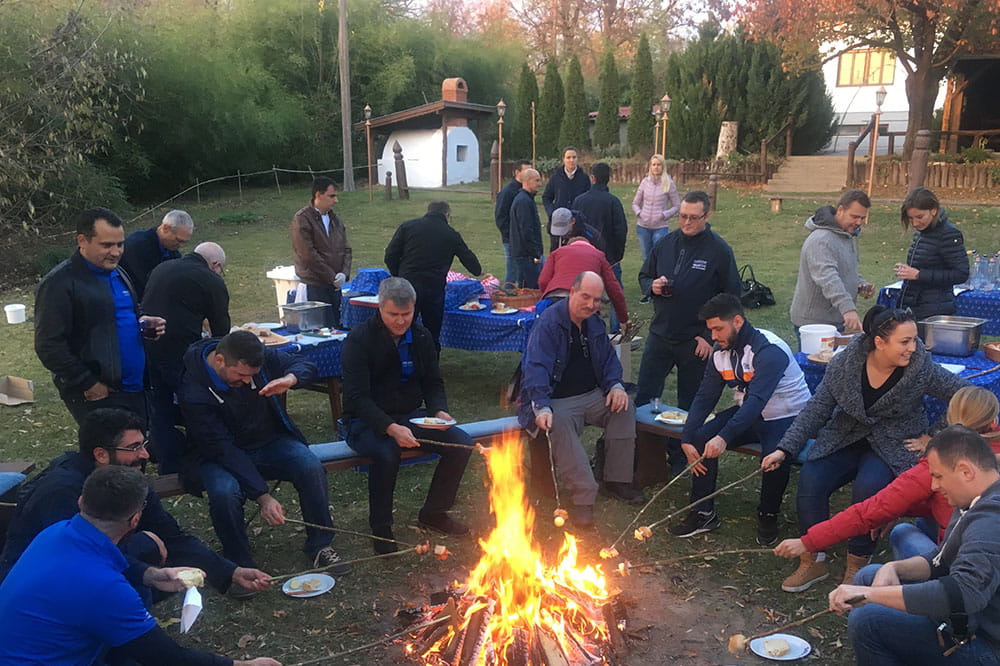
[909, 495]
[563, 265]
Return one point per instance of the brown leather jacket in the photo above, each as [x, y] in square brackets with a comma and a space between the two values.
[319, 256]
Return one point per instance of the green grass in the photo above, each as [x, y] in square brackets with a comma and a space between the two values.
[707, 600]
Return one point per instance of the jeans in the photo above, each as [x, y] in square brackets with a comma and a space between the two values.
[526, 272]
[768, 433]
[884, 636]
[909, 540]
[648, 238]
[508, 265]
[327, 294]
[818, 479]
[385, 455]
[659, 357]
[164, 415]
[134, 402]
[282, 458]
[616, 326]
[430, 307]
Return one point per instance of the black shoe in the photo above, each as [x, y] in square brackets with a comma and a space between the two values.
[240, 593]
[767, 529]
[696, 523]
[644, 300]
[443, 523]
[582, 516]
[384, 547]
[624, 492]
[327, 558]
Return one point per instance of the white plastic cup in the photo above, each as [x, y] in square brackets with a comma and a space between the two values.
[15, 313]
[817, 337]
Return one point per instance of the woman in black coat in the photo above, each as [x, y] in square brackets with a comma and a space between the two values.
[936, 260]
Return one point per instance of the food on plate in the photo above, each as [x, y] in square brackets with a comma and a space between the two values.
[473, 305]
[311, 585]
[824, 356]
[295, 584]
[776, 647]
[191, 577]
[673, 415]
[432, 420]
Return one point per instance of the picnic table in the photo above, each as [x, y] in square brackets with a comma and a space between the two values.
[968, 303]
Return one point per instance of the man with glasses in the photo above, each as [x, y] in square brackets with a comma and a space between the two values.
[110, 437]
[322, 253]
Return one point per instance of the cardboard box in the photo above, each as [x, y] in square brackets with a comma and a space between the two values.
[16, 391]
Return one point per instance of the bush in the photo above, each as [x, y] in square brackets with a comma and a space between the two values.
[975, 155]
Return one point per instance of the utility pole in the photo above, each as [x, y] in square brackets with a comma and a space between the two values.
[343, 55]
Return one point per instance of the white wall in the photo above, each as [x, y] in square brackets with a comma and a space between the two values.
[422, 155]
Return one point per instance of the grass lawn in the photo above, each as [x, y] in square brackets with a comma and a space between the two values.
[690, 608]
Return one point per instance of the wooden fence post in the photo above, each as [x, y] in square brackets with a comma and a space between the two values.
[852, 148]
[763, 161]
[239, 182]
[789, 130]
[397, 153]
[713, 191]
[274, 170]
[388, 186]
[918, 161]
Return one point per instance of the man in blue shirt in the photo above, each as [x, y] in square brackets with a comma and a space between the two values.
[44, 620]
[87, 323]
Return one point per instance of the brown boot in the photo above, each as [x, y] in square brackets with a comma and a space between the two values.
[809, 573]
[854, 564]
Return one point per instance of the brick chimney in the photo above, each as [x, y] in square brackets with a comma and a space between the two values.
[455, 90]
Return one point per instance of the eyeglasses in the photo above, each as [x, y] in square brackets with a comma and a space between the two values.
[692, 218]
[882, 321]
[132, 448]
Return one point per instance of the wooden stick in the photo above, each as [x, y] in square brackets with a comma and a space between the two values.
[275, 579]
[717, 492]
[984, 372]
[377, 643]
[653, 499]
[340, 530]
[746, 641]
[694, 556]
[474, 447]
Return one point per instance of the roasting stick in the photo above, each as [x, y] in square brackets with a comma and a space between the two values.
[475, 447]
[694, 556]
[341, 530]
[717, 492]
[559, 513]
[739, 642]
[368, 646]
[276, 579]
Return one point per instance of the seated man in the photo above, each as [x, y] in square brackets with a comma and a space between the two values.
[240, 434]
[902, 604]
[571, 378]
[115, 437]
[391, 375]
[769, 391]
[88, 605]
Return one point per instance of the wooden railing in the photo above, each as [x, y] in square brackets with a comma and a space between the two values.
[787, 129]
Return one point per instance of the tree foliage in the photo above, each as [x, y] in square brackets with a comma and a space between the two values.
[575, 117]
[606, 126]
[643, 97]
[551, 107]
[517, 133]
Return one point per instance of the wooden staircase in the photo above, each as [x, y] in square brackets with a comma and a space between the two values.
[809, 173]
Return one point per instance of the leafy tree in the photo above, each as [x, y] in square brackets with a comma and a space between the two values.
[517, 134]
[606, 127]
[926, 36]
[641, 120]
[551, 107]
[575, 117]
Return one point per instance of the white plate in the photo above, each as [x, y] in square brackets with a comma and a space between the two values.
[472, 307]
[662, 419]
[270, 326]
[797, 648]
[432, 422]
[506, 311]
[326, 584]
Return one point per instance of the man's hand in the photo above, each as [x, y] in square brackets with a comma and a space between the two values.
[886, 576]
[851, 322]
[544, 420]
[702, 349]
[252, 579]
[271, 510]
[157, 324]
[443, 415]
[659, 285]
[259, 661]
[843, 594]
[617, 400]
[772, 461]
[403, 436]
[279, 385]
[715, 447]
[790, 548]
[692, 454]
[339, 280]
[162, 547]
[98, 391]
[917, 444]
[165, 579]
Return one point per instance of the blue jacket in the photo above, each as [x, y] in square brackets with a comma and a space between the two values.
[220, 423]
[561, 190]
[501, 212]
[142, 254]
[546, 356]
[525, 227]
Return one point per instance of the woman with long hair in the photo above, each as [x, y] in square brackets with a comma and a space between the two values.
[656, 201]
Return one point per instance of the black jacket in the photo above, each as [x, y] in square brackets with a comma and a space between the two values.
[52, 496]
[185, 292]
[604, 211]
[501, 212]
[560, 191]
[76, 334]
[221, 423]
[938, 253]
[701, 267]
[373, 390]
[422, 249]
[142, 254]
[525, 227]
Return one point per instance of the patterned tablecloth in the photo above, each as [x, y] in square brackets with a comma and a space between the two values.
[978, 303]
[324, 353]
[935, 408]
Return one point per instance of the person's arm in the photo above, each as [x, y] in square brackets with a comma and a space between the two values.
[467, 256]
[537, 365]
[394, 252]
[649, 272]
[304, 249]
[518, 236]
[807, 424]
[705, 399]
[279, 363]
[348, 255]
[53, 330]
[611, 286]
[674, 198]
[823, 270]
[549, 195]
[356, 384]
[638, 199]
[218, 315]
[549, 271]
[770, 364]
[619, 228]
[156, 648]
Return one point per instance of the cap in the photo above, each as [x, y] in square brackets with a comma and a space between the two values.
[562, 219]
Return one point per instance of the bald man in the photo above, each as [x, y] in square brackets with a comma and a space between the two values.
[526, 232]
[192, 290]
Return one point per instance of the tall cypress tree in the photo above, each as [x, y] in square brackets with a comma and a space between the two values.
[550, 112]
[606, 127]
[641, 120]
[517, 130]
[574, 124]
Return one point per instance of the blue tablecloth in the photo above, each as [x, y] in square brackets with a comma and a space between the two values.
[978, 303]
[935, 408]
[325, 354]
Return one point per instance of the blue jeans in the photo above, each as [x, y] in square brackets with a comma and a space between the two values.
[282, 458]
[818, 479]
[659, 357]
[616, 326]
[768, 433]
[648, 238]
[526, 272]
[508, 265]
[883, 636]
[909, 540]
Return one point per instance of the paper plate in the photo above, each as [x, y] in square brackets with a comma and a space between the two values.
[432, 422]
[473, 307]
[293, 587]
[797, 648]
[506, 311]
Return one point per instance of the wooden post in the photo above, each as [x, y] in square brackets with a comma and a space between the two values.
[388, 186]
[344, 60]
[713, 191]
[918, 161]
[444, 149]
[197, 188]
[763, 161]
[775, 204]
[274, 170]
[397, 153]
[789, 130]
[239, 183]
[494, 171]
[892, 143]
[852, 148]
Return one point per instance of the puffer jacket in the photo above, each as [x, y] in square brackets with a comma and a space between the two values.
[652, 206]
[938, 253]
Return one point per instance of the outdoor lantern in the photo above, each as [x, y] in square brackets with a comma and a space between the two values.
[501, 108]
[665, 103]
[880, 96]
[368, 112]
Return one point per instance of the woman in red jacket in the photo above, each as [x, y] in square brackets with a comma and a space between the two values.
[909, 495]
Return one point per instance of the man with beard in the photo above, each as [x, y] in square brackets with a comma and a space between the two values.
[115, 437]
[769, 391]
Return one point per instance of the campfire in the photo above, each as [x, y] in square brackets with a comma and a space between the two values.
[515, 609]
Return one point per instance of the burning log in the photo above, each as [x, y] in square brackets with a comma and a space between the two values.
[475, 636]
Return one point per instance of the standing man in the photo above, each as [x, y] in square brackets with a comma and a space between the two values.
[604, 211]
[566, 183]
[421, 251]
[828, 285]
[241, 435]
[571, 378]
[186, 292]
[501, 214]
[147, 249]
[319, 243]
[391, 379]
[87, 323]
[685, 269]
[526, 248]
[769, 390]
[902, 603]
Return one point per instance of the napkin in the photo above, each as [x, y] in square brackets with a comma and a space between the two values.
[191, 608]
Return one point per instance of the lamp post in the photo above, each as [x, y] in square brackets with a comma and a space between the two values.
[368, 142]
[532, 133]
[501, 109]
[658, 118]
[879, 99]
[665, 108]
